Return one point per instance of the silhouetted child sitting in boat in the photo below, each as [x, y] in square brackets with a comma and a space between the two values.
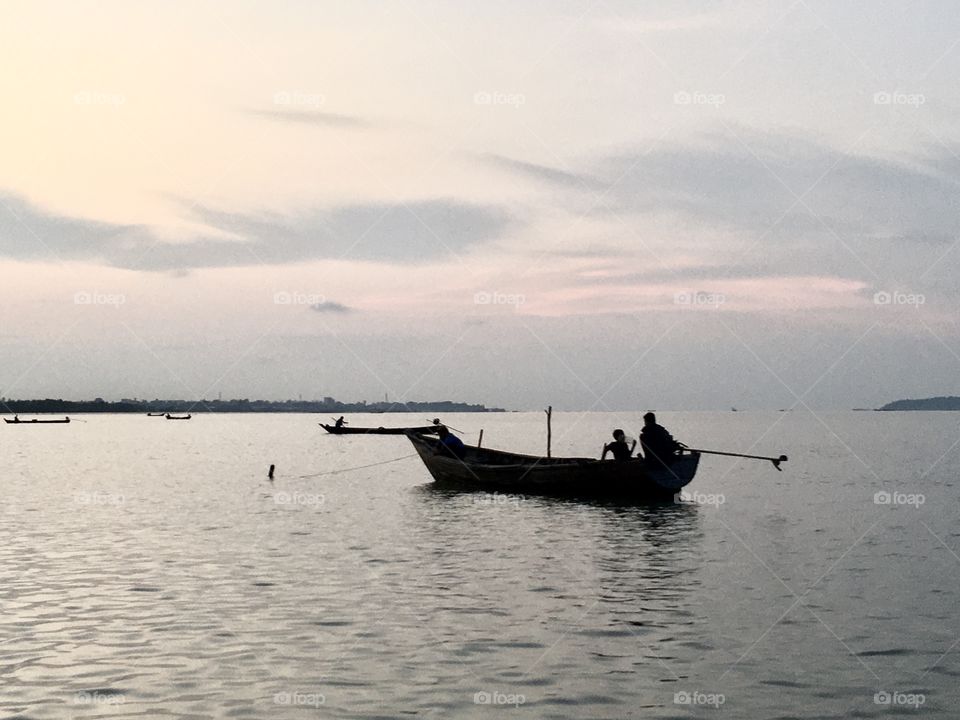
[340, 422]
[618, 448]
[450, 443]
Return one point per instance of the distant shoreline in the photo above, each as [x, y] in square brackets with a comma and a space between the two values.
[946, 402]
[78, 407]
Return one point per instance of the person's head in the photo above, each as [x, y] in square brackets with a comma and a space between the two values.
[649, 419]
[442, 431]
[618, 434]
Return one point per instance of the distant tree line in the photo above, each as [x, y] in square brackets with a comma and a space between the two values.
[330, 405]
[935, 403]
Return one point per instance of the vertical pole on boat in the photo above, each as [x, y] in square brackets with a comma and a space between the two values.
[480, 439]
[549, 412]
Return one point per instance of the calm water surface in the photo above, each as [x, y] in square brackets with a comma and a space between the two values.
[149, 569]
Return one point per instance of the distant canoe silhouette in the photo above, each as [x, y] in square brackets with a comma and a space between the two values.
[178, 417]
[18, 421]
[345, 430]
[159, 414]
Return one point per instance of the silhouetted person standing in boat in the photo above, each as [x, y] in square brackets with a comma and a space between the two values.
[450, 443]
[618, 448]
[656, 442]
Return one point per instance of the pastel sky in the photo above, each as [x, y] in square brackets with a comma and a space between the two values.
[606, 205]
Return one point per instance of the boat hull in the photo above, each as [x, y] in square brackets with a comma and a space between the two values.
[65, 421]
[498, 471]
[344, 430]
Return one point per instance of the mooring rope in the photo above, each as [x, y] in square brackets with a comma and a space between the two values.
[358, 467]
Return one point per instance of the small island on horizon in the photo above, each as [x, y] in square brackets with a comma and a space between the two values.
[948, 402]
[327, 404]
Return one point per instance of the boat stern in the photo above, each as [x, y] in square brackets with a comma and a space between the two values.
[678, 475]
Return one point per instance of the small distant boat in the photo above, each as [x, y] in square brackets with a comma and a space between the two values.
[17, 421]
[159, 414]
[486, 469]
[177, 417]
[345, 430]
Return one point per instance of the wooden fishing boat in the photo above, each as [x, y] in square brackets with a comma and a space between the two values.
[159, 414]
[18, 421]
[345, 430]
[508, 472]
[178, 417]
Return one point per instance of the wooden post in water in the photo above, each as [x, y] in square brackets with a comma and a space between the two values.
[549, 412]
[270, 474]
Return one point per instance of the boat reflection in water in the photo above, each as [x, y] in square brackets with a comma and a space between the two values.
[617, 587]
[621, 547]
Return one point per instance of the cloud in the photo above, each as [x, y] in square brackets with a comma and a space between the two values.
[416, 232]
[746, 179]
[674, 273]
[31, 233]
[543, 173]
[775, 200]
[406, 233]
[329, 306]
